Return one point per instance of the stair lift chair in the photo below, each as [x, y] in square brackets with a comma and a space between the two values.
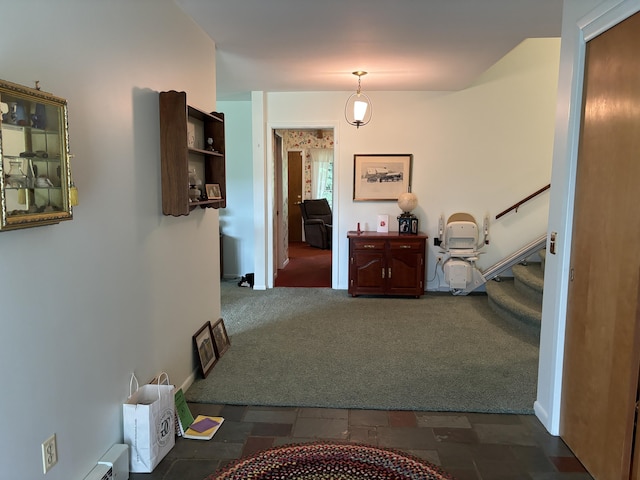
[461, 240]
[317, 218]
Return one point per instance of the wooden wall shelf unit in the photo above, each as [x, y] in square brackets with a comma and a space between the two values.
[386, 263]
[184, 131]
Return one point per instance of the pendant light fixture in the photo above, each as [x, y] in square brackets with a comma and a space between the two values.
[358, 109]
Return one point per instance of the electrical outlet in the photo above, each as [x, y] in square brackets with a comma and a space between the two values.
[49, 453]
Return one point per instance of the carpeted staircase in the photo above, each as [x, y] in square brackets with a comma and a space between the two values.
[519, 298]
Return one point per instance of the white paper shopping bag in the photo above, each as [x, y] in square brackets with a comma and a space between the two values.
[149, 424]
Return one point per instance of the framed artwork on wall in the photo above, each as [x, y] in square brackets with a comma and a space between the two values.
[381, 177]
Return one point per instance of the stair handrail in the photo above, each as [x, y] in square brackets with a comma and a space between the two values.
[515, 206]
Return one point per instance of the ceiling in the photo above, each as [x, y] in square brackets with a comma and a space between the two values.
[314, 45]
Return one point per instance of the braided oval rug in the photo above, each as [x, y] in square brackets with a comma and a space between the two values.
[330, 461]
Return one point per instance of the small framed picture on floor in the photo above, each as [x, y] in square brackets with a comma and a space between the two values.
[203, 343]
[220, 337]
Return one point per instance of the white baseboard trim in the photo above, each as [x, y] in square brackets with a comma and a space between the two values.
[189, 381]
[543, 416]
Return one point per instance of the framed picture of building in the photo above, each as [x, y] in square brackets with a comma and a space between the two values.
[381, 177]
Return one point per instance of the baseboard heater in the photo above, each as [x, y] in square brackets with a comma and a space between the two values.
[114, 465]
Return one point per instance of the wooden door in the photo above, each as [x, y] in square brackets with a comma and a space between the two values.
[601, 364]
[295, 196]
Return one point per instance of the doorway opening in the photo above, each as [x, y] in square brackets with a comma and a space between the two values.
[304, 164]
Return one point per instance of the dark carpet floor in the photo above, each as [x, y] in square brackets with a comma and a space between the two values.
[308, 267]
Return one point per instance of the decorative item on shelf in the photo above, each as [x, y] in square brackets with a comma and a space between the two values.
[210, 145]
[191, 135]
[213, 191]
[407, 222]
[16, 178]
[43, 182]
[11, 115]
[358, 109]
[383, 223]
[21, 116]
[39, 118]
[195, 186]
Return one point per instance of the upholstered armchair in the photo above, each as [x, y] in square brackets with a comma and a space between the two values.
[317, 218]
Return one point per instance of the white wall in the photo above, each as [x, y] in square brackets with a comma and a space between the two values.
[236, 220]
[478, 150]
[120, 288]
[581, 19]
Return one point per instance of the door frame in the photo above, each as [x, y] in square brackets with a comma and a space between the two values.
[570, 89]
[271, 194]
[281, 245]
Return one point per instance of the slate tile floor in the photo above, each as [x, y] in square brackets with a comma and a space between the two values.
[468, 446]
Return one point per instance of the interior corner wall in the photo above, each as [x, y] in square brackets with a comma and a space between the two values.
[120, 288]
[237, 218]
[478, 150]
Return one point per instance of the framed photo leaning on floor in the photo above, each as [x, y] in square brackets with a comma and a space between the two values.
[203, 342]
[220, 337]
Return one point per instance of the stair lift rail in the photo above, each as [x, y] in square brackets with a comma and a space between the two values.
[516, 257]
[495, 270]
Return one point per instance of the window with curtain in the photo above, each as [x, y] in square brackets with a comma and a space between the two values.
[322, 173]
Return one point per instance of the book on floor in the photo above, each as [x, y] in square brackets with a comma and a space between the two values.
[203, 428]
[183, 414]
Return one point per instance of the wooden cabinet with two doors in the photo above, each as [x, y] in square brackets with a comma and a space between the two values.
[386, 264]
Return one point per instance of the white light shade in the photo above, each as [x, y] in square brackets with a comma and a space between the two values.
[359, 110]
[407, 201]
